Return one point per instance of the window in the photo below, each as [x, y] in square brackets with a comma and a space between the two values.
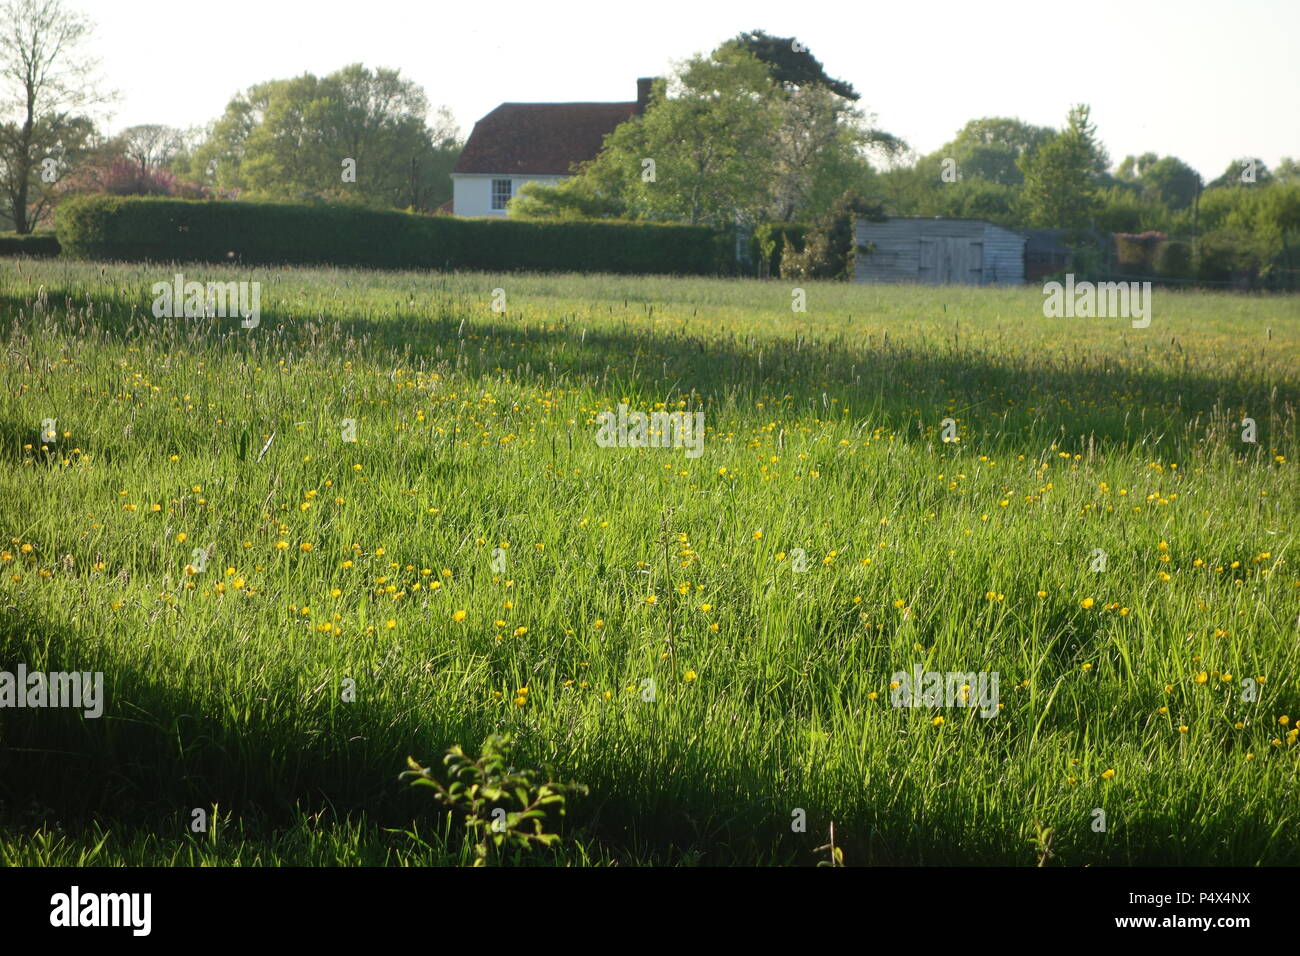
[501, 192]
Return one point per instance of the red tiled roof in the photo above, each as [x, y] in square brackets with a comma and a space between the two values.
[544, 139]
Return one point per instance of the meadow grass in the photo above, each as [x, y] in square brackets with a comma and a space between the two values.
[333, 561]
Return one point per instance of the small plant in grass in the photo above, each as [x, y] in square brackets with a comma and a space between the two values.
[503, 807]
[1042, 841]
[836, 854]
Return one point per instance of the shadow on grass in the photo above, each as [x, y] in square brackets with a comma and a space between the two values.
[158, 751]
[1156, 399]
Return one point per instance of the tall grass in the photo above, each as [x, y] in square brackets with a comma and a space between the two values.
[476, 431]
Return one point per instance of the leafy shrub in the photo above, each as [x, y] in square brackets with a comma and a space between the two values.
[830, 249]
[1230, 256]
[125, 178]
[770, 241]
[483, 792]
[1136, 254]
[1174, 260]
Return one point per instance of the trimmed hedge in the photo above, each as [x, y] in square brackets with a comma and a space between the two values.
[35, 244]
[178, 230]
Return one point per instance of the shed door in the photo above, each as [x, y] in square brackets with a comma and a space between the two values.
[946, 261]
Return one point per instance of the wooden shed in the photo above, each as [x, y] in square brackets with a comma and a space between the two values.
[939, 252]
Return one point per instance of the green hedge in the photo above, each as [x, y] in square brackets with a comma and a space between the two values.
[177, 230]
[35, 244]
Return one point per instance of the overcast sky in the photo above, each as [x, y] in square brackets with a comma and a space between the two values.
[1204, 80]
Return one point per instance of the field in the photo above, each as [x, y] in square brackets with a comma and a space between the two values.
[708, 643]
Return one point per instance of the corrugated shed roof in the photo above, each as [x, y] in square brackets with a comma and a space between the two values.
[541, 139]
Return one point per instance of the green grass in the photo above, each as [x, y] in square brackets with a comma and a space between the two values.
[477, 429]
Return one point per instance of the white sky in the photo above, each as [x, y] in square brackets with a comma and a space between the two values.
[1204, 80]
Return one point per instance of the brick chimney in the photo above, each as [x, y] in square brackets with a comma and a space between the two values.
[643, 85]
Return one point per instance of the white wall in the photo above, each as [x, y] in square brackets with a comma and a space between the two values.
[472, 192]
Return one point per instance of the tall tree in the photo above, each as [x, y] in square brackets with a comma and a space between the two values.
[1287, 170]
[1165, 181]
[1247, 171]
[710, 147]
[217, 161]
[818, 151]
[1132, 168]
[1062, 176]
[822, 142]
[990, 148]
[150, 146]
[46, 85]
[292, 139]
[791, 63]
[754, 131]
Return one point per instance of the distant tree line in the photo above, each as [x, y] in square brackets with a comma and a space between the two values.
[757, 132]
[754, 133]
[1243, 224]
[357, 135]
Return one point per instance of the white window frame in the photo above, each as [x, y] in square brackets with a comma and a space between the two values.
[510, 193]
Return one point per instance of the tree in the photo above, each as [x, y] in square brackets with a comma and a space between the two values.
[1270, 211]
[711, 146]
[218, 159]
[301, 138]
[150, 146]
[978, 198]
[1062, 176]
[975, 175]
[429, 178]
[45, 84]
[908, 188]
[990, 148]
[1132, 168]
[136, 162]
[713, 143]
[821, 141]
[840, 168]
[1166, 181]
[1123, 209]
[791, 63]
[1251, 232]
[1252, 169]
[818, 151]
[743, 137]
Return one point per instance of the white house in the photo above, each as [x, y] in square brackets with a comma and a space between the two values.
[519, 143]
